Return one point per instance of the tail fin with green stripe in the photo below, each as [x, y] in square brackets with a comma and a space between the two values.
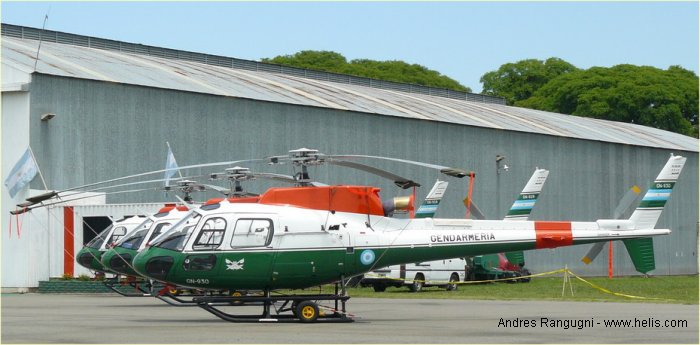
[649, 210]
[522, 207]
[429, 206]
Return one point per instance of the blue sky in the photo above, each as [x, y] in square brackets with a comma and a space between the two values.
[462, 40]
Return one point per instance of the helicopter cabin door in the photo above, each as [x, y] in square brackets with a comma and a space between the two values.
[235, 250]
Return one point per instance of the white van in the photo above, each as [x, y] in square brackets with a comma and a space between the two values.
[416, 276]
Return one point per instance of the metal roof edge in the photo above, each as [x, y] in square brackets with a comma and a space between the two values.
[25, 32]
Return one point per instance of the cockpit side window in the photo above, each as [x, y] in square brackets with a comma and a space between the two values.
[97, 242]
[252, 233]
[160, 228]
[211, 235]
[117, 234]
[134, 240]
[178, 234]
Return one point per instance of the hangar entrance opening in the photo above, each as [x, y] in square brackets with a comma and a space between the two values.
[93, 226]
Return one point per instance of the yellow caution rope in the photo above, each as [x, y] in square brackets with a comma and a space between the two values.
[602, 289]
[562, 270]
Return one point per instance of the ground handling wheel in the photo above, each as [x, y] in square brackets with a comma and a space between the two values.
[237, 294]
[307, 311]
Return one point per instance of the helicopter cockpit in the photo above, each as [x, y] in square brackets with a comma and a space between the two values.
[113, 233]
[176, 237]
[90, 255]
[133, 240]
[99, 240]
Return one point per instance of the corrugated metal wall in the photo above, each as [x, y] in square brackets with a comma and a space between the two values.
[104, 130]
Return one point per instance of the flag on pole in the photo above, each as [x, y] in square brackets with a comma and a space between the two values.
[170, 166]
[23, 172]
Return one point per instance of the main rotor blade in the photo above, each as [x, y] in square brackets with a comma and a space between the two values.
[398, 180]
[41, 197]
[276, 177]
[31, 201]
[269, 176]
[162, 171]
[593, 252]
[455, 172]
[222, 190]
[61, 201]
[626, 202]
[144, 182]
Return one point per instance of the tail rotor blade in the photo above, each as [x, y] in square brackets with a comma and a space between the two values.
[626, 202]
[593, 252]
[474, 210]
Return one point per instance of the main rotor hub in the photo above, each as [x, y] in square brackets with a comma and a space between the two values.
[306, 157]
[239, 174]
[185, 183]
[237, 170]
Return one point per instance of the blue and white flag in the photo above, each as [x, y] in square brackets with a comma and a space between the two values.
[23, 172]
[170, 166]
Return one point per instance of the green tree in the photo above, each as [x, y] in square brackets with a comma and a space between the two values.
[318, 60]
[519, 81]
[665, 99]
[397, 71]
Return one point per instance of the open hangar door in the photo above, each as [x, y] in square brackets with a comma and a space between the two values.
[92, 226]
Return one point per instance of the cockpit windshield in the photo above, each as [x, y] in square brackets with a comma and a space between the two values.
[130, 241]
[176, 237]
[97, 242]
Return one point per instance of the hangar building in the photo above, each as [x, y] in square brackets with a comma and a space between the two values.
[115, 104]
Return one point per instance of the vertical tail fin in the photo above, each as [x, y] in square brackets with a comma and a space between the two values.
[522, 207]
[649, 210]
[528, 197]
[432, 201]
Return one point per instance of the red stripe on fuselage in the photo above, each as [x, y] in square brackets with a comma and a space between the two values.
[553, 234]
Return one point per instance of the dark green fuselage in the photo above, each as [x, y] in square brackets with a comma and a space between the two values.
[292, 268]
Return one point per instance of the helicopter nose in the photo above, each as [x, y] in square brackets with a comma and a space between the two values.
[90, 259]
[118, 262]
[154, 266]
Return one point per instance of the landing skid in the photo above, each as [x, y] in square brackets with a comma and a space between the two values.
[303, 308]
[185, 297]
[141, 288]
[182, 301]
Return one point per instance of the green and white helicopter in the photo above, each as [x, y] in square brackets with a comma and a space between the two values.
[301, 237]
[313, 234]
[131, 229]
[119, 258]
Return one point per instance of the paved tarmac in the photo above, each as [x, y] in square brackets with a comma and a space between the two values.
[72, 318]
